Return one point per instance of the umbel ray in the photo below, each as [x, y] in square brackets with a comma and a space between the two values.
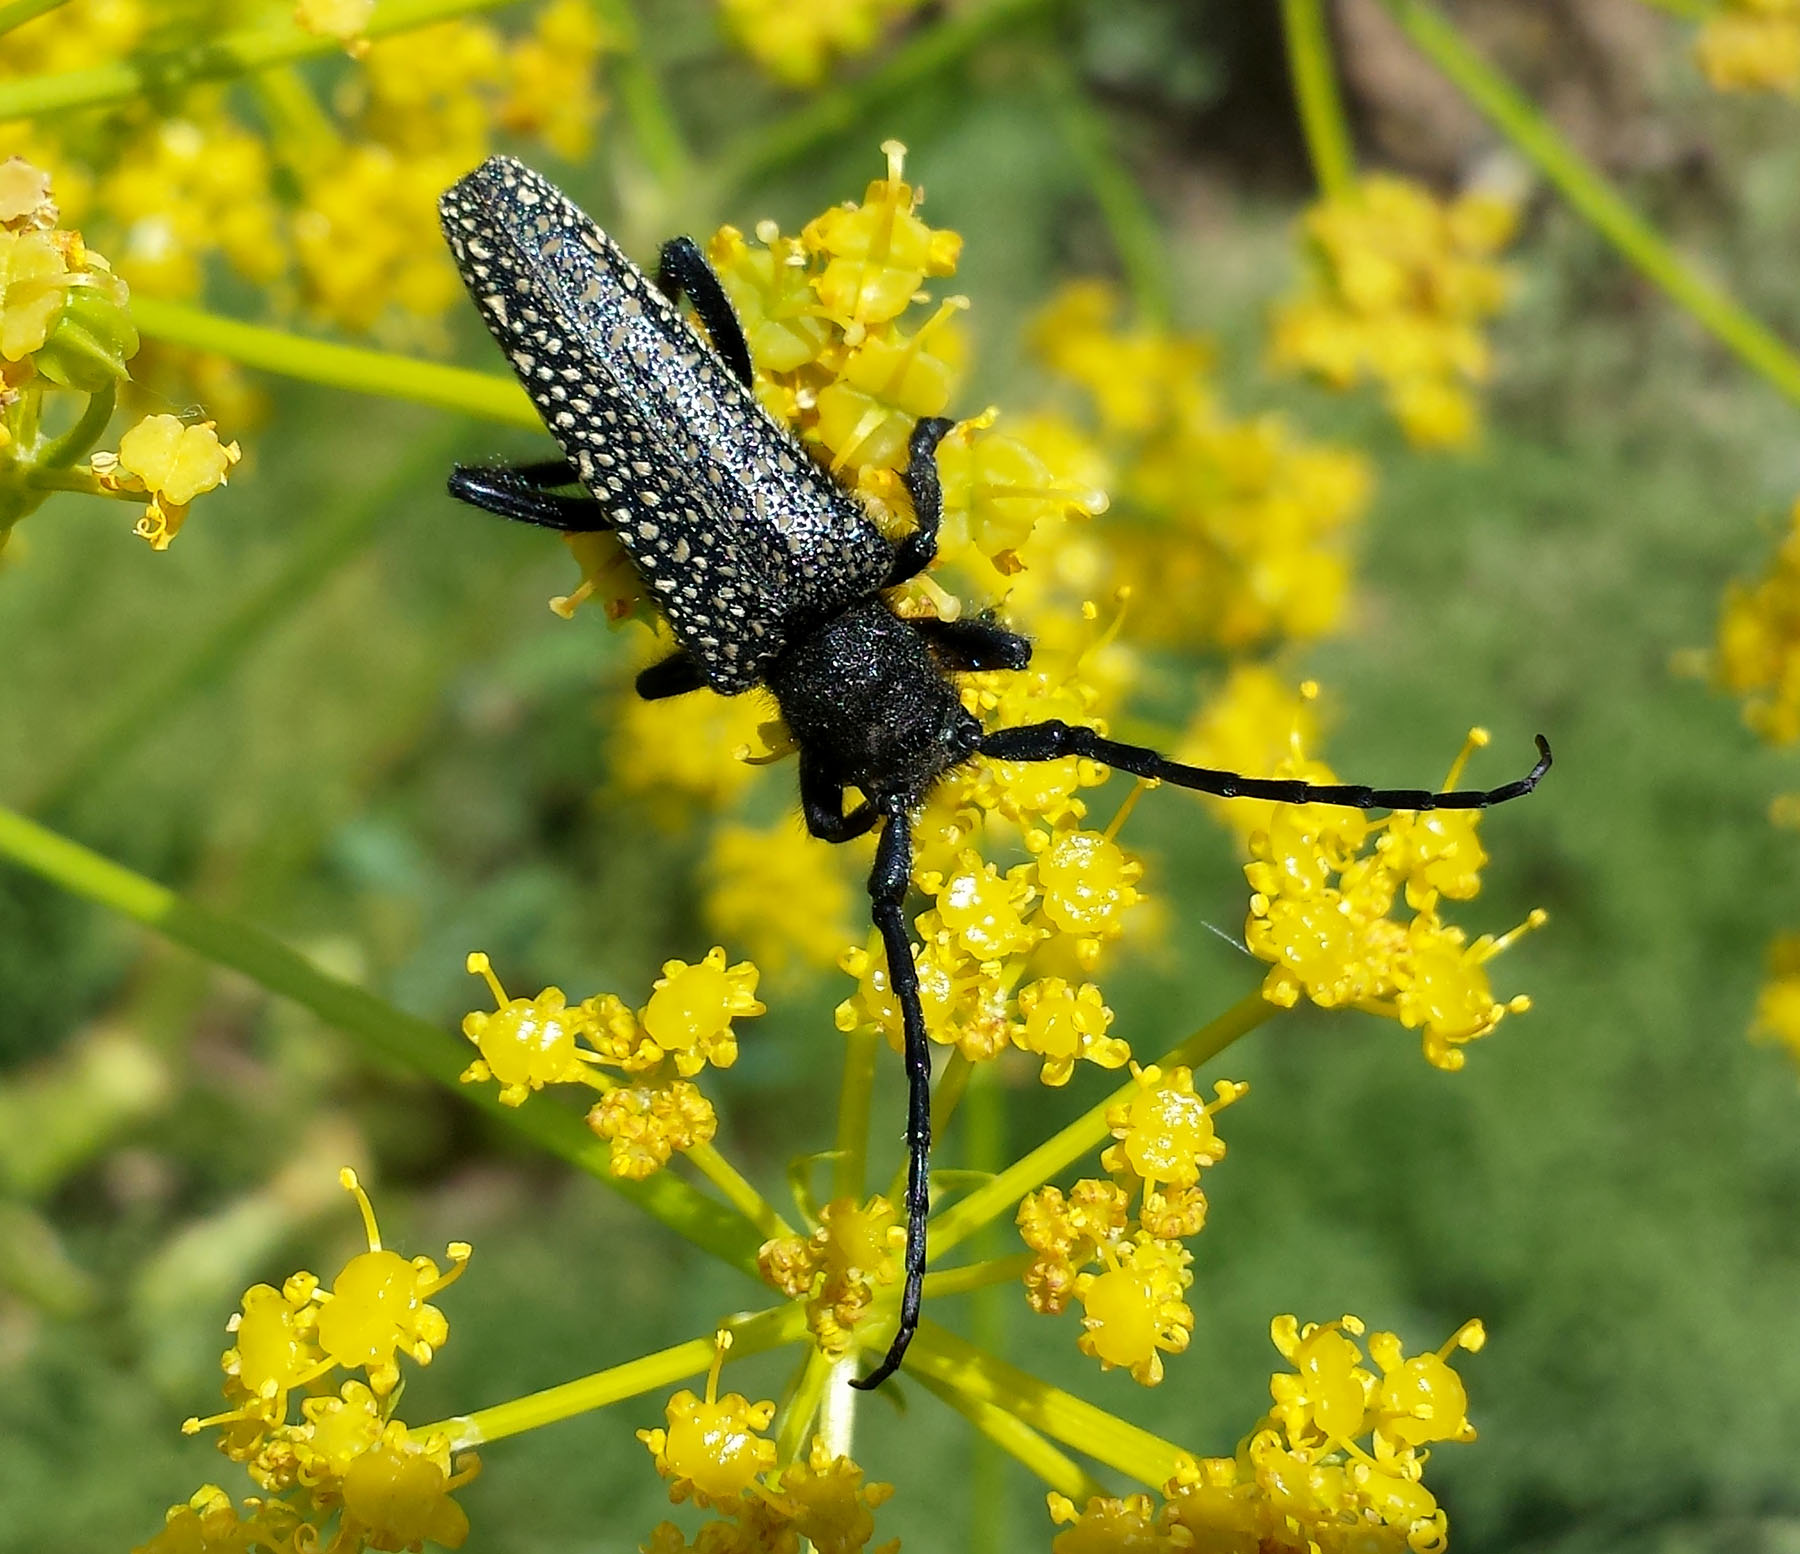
[767, 571]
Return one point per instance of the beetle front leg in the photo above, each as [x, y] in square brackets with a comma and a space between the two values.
[682, 267]
[919, 549]
[1053, 740]
[822, 803]
[887, 893]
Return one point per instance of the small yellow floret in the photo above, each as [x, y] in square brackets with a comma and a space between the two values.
[711, 1450]
[171, 462]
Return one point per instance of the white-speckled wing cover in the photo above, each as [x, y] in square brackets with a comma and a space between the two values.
[742, 539]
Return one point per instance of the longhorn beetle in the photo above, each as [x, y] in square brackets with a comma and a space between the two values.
[767, 571]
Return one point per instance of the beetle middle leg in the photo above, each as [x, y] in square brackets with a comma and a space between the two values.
[919, 549]
[682, 267]
[1052, 740]
[969, 646]
[822, 803]
[888, 883]
[527, 493]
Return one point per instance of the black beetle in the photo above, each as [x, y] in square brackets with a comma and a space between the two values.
[768, 572]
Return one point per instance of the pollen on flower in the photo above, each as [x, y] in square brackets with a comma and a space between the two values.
[712, 1450]
[648, 1123]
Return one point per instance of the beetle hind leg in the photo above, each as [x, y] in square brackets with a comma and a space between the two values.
[887, 893]
[527, 493]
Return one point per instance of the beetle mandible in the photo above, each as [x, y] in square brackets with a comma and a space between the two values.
[768, 572]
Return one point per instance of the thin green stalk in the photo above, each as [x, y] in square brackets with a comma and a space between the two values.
[18, 12]
[1593, 197]
[830, 115]
[1004, 1429]
[738, 1191]
[145, 703]
[849, 1172]
[801, 1407]
[158, 75]
[978, 1276]
[1327, 130]
[1087, 1132]
[1130, 222]
[483, 394]
[990, 1324]
[938, 1355]
[385, 1030]
[654, 127]
[750, 1335]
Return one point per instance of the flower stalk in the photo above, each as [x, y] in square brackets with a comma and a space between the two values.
[1321, 104]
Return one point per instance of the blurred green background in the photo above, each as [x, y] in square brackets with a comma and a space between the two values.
[406, 761]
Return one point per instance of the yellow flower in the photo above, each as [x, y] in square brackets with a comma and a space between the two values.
[551, 91]
[1165, 1132]
[1758, 651]
[795, 40]
[1778, 1004]
[340, 19]
[1328, 1398]
[210, 1524]
[397, 1494]
[691, 1009]
[1061, 1023]
[34, 281]
[838, 1269]
[711, 1451]
[1421, 1400]
[648, 1123]
[981, 912]
[1106, 1526]
[526, 1043]
[1398, 287]
[172, 464]
[377, 1304]
[1751, 45]
[1133, 1313]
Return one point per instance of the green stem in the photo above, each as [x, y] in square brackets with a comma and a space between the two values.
[337, 366]
[938, 1355]
[1136, 236]
[1088, 1131]
[654, 126]
[18, 12]
[829, 116]
[1327, 130]
[146, 703]
[802, 1405]
[978, 1276]
[80, 438]
[1002, 1428]
[400, 1037]
[737, 1190]
[750, 1335]
[1593, 197]
[157, 75]
[849, 1173]
[990, 1326]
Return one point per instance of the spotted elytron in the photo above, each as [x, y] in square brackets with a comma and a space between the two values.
[768, 572]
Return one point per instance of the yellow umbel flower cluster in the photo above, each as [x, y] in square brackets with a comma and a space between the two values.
[1751, 45]
[1325, 884]
[651, 1109]
[713, 1453]
[838, 1268]
[796, 40]
[1758, 653]
[66, 333]
[1233, 533]
[1132, 1225]
[347, 1475]
[331, 200]
[1398, 287]
[1303, 1481]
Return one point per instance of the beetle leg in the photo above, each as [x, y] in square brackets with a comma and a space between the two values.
[525, 494]
[683, 268]
[675, 675]
[1049, 741]
[919, 549]
[887, 892]
[822, 802]
[969, 646]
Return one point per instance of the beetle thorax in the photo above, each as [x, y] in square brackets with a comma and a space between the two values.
[866, 701]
